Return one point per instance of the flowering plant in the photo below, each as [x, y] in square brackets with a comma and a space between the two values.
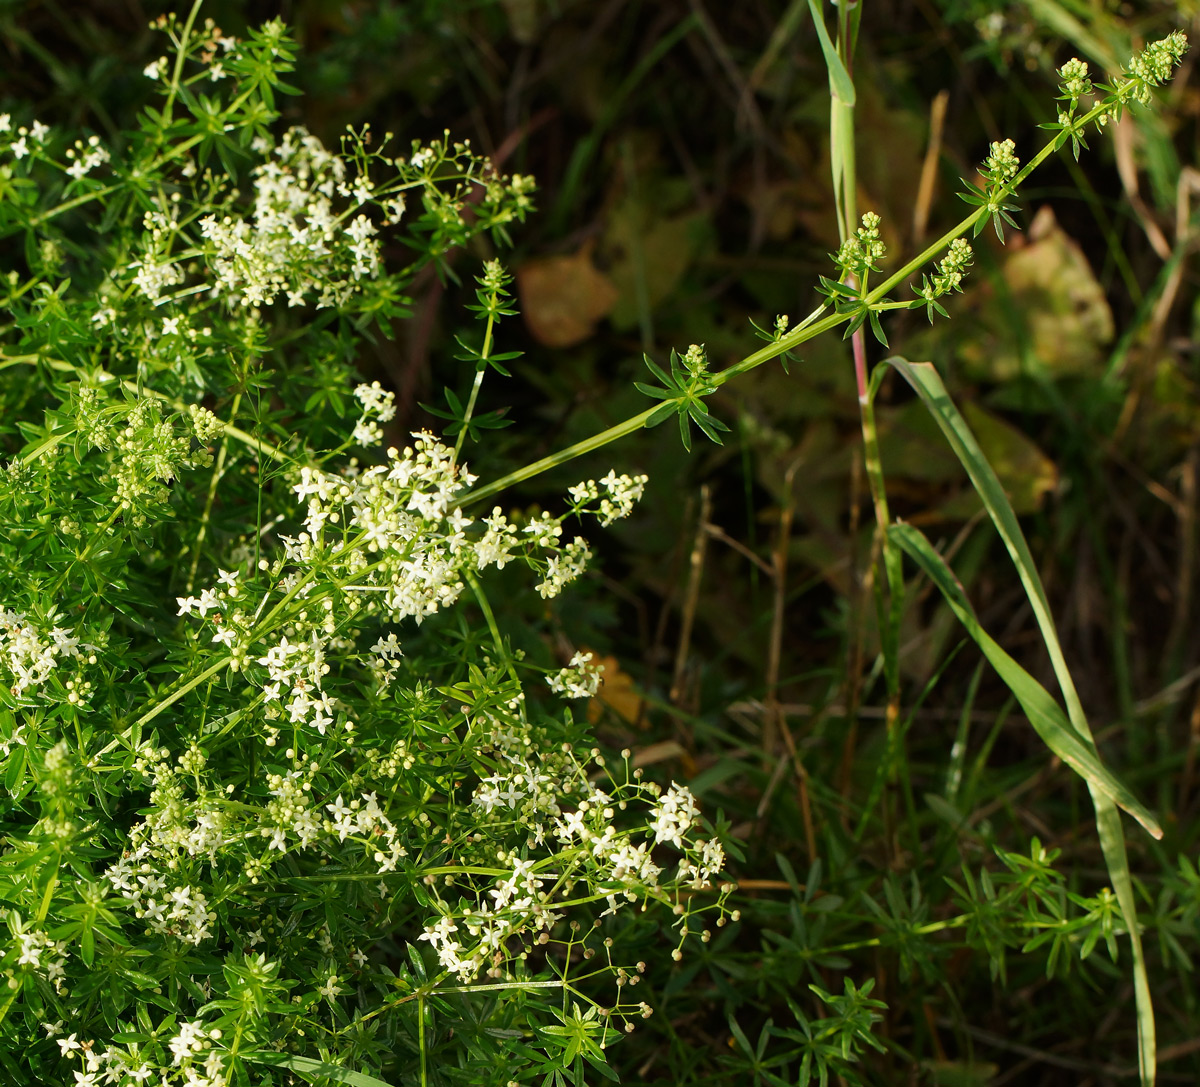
[266, 807]
[281, 799]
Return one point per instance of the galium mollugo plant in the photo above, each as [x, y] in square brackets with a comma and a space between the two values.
[280, 799]
[270, 809]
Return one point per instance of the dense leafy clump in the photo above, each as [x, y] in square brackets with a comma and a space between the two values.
[275, 794]
[281, 800]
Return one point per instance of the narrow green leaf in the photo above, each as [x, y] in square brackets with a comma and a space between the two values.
[310, 1067]
[840, 82]
[685, 433]
[658, 371]
[1043, 712]
[661, 414]
[928, 385]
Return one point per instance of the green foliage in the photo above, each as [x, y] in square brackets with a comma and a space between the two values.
[286, 795]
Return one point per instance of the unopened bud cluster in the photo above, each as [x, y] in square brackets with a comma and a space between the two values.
[862, 252]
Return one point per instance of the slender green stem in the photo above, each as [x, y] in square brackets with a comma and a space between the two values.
[181, 53]
[218, 472]
[597, 441]
[498, 641]
[176, 695]
[787, 342]
[421, 1040]
[74, 202]
[480, 370]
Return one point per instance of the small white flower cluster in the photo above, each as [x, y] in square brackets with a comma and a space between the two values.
[564, 568]
[151, 874]
[289, 810]
[43, 956]
[953, 266]
[405, 511]
[379, 406]
[295, 243]
[521, 789]
[518, 905]
[550, 794]
[580, 679]
[1075, 81]
[948, 276]
[674, 815]
[156, 271]
[403, 550]
[384, 660]
[86, 157]
[231, 624]
[20, 147]
[366, 819]
[30, 653]
[192, 1051]
[109, 1065]
[181, 911]
[159, 875]
[194, 1060]
[301, 667]
[617, 501]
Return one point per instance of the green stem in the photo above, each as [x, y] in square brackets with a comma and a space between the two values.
[597, 441]
[218, 471]
[176, 695]
[486, 608]
[181, 53]
[788, 342]
[421, 1040]
[480, 370]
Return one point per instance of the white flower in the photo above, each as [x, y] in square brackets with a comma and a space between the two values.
[189, 1040]
[388, 648]
[20, 149]
[331, 988]
[579, 679]
[674, 814]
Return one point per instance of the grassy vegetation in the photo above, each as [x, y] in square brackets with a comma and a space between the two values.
[906, 836]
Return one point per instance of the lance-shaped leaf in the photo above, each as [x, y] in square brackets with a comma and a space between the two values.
[928, 385]
[317, 1070]
[1044, 713]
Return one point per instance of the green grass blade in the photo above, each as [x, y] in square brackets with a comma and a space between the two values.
[840, 82]
[310, 1067]
[928, 385]
[1043, 712]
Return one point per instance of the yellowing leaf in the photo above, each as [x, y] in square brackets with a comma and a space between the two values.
[562, 298]
[617, 693]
